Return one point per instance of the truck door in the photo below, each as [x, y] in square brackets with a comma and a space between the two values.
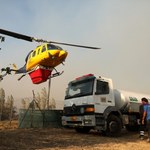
[103, 96]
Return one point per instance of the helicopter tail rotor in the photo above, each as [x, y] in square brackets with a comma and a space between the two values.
[14, 67]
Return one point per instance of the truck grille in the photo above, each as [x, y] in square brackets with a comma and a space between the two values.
[77, 110]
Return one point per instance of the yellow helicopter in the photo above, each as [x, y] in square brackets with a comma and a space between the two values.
[41, 61]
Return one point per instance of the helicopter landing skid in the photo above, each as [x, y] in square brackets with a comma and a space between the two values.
[21, 77]
[55, 74]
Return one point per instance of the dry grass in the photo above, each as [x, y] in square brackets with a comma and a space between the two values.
[12, 138]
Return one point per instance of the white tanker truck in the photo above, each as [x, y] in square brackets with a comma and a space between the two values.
[93, 103]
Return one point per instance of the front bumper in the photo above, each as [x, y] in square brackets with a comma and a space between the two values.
[79, 121]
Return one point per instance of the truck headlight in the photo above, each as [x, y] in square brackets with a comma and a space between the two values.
[89, 109]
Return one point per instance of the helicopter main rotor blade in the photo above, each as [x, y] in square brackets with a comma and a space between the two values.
[31, 39]
[16, 35]
[75, 45]
[83, 46]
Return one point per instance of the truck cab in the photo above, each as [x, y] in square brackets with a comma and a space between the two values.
[92, 103]
[86, 103]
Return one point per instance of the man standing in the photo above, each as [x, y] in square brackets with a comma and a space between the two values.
[146, 115]
[141, 111]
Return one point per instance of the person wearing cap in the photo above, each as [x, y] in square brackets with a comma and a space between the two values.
[146, 114]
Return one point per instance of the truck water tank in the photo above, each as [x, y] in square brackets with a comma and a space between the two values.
[128, 101]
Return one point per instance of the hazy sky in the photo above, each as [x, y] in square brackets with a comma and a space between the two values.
[120, 27]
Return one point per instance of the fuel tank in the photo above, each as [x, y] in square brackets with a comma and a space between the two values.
[128, 101]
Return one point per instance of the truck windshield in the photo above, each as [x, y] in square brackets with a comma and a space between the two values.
[79, 88]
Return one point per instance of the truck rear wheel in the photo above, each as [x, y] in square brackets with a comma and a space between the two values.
[113, 126]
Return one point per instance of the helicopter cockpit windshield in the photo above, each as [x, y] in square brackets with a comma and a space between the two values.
[51, 47]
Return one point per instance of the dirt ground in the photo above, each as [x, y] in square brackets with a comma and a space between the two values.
[12, 138]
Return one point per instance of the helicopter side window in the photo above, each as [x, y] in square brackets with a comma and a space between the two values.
[43, 49]
[38, 51]
[34, 53]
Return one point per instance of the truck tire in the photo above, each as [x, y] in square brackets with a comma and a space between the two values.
[114, 126]
[83, 130]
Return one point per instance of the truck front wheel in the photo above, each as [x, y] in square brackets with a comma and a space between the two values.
[113, 126]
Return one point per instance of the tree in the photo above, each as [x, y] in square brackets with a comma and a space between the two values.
[39, 101]
[23, 102]
[8, 111]
[44, 98]
[10, 101]
[2, 101]
[9, 108]
[52, 103]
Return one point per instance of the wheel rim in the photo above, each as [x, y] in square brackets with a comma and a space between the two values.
[113, 126]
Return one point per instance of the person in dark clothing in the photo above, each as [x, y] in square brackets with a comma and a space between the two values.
[141, 111]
